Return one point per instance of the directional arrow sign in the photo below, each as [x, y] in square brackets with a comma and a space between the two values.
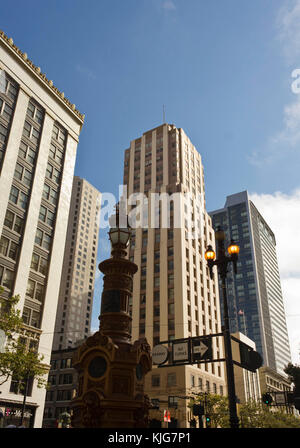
[202, 348]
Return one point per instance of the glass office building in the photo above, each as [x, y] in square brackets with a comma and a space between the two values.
[255, 299]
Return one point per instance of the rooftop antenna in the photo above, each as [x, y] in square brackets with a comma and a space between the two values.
[164, 114]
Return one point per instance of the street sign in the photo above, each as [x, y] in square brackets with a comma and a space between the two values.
[280, 398]
[160, 354]
[180, 351]
[201, 348]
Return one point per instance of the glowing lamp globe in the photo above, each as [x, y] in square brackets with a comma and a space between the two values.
[233, 249]
[210, 254]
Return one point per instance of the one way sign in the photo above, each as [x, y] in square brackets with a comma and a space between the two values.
[201, 348]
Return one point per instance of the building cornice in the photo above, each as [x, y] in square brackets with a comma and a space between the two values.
[41, 76]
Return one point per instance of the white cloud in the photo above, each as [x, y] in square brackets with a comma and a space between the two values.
[288, 19]
[104, 248]
[284, 141]
[282, 213]
[87, 72]
[168, 5]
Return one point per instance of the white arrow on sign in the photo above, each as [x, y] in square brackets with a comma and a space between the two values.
[202, 348]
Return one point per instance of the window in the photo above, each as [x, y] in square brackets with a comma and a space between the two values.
[5, 110]
[43, 239]
[13, 222]
[66, 378]
[171, 308]
[170, 251]
[4, 243]
[53, 173]
[35, 112]
[50, 194]
[27, 153]
[31, 317]
[6, 277]
[35, 290]
[155, 381]
[47, 216]
[156, 311]
[59, 134]
[156, 296]
[171, 293]
[171, 379]
[56, 153]
[172, 402]
[30, 132]
[18, 387]
[39, 264]
[64, 395]
[170, 279]
[8, 248]
[171, 324]
[18, 197]
[66, 363]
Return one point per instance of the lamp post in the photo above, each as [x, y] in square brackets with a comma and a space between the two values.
[222, 262]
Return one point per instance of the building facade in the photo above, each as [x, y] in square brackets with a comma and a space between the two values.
[255, 300]
[75, 304]
[173, 295]
[39, 131]
[62, 381]
[247, 383]
[76, 292]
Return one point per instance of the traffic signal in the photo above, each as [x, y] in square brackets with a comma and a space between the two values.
[250, 359]
[198, 409]
[208, 421]
[267, 399]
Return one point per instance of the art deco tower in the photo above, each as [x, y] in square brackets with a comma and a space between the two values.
[173, 295]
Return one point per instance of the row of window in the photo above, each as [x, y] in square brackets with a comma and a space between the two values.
[65, 378]
[8, 96]
[60, 395]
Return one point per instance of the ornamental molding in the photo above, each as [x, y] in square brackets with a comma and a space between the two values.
[37, 72]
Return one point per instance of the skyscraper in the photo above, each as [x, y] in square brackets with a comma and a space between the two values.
[39, 130]
[75, 302]
[173, 295]
[255, 299]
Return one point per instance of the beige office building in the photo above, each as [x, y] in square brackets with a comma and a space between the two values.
[39, 130]
[75, 303]
[173, 295]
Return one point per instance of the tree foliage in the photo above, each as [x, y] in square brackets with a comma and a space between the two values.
[251, 414]
[16, 360]
[293, 372]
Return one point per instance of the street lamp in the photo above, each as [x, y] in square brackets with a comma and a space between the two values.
[111, 368]
[222, 262]
[119, 236]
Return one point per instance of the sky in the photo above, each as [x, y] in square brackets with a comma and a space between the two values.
[224, 72]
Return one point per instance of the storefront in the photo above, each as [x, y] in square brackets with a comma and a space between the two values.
[11, 414]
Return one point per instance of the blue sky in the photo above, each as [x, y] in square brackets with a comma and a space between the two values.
[221, 68]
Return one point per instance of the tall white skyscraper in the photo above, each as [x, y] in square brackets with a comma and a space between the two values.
[39, 130]
[75, 303]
